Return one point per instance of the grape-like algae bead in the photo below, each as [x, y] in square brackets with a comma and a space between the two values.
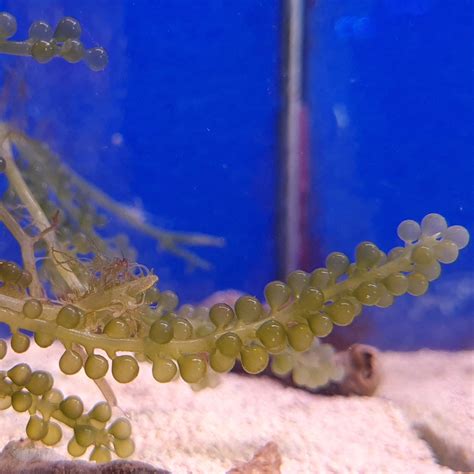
[124, 368]
[219, 362]
[69, 316]
[311, 299]
[96, 58]
[67, 28]
[417, 284]
[8, 25]
[43, 51]
[320, 278]
[229, 344]
[72, 407]
[300, 337]
[192, 368]
[409, 231]
[168, 300]
[40, 382]
[72, 51]
[20, 342]
[117, 328]
[53, 435]
[37, 428]
[40, 30]
[320, 325]
[248, 309]
[297, 281]
[124, 447]
[342, 312]
[96, 366]
[84, 435]
[368, 293]
[70, 362]
[396, 284]
[10, 271]
[282, 364]
[121, 429]
[254, 358]
[367, 255]
[272, 335]
[457, 234]
[101, 411]
[221, 315]
[75, 449]
[161, 331]
[433, 224]
[164, 370]
[43, 339]
[277, 294]
[182, 329]
[21, 400]
[20, 374]
[100, 454]
[446, 251]
[337, 263]
[431, 271]
[32, 308]
[422, 254]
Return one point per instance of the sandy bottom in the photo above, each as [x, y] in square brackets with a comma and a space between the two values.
[423, 415]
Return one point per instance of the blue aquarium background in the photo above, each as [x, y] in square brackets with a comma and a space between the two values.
[184, 125]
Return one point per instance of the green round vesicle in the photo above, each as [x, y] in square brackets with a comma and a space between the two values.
[320, 325]
[396, 284]
[101, 411]
[417, 284]
[124, 368]
[311, 299]
[40, 382]
[96, 366]
[69, 316]
[70, 362]
[446, 251]
[20, 342]
[121, 429]
[10, 272]
[337, 264]
[164, 370]
[124, 448]
[75, 449]
[37, 428]
[67, 28]
[32, 308]
[100, 454]
[272, 335]
[300, 337]
[319, 278]
[277, 294]
[72, 407]
[43, 51]
[368, 293]
[84, 435]
[221, 363]
[192, 368]
[254, 358]
[221, 315]
[422, 254]
[229, 344]
[53, 435]
[342, 312]
[21, 400]
[43, 339]
[20, 374]
[298, 281]
[282, 364]
[117, 328]
[367, 255]
[248, 309]
[161, 331]
[182, 329]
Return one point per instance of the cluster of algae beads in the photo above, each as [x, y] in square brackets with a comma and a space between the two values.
[45, 43]
[194, 342]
